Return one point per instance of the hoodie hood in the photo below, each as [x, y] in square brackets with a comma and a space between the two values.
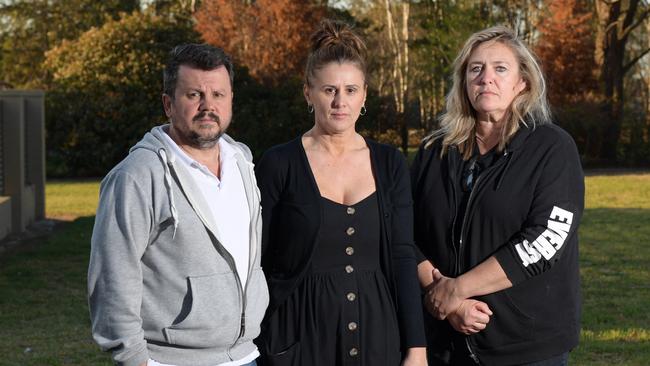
[520, 137]
[155, 142]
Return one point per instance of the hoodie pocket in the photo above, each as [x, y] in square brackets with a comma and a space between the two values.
[213, 319]
[509, 324]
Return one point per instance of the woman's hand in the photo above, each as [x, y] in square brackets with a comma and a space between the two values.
[415, 356]
[471, 317]
[445, 294]
[442, 297]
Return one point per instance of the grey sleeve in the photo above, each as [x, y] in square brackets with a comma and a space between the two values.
[119, 239]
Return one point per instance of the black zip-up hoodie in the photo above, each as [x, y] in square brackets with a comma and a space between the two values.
[524, 210]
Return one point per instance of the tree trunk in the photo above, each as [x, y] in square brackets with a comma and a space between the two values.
[398, 41]
[616, 21]
[405, 73]
[614, 98]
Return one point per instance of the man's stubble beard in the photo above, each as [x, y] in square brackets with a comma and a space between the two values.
[198, 141]
[204, 142]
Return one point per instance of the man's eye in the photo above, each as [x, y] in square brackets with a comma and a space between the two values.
[352, 90]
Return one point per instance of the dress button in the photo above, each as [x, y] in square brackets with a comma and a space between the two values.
[351, 296]
[350, 230]
[349, 250]
[352, 326]
[351, 210]
[349, 269]
[354, 352]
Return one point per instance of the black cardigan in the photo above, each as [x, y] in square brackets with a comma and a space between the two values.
[524, 210]
[291, 214]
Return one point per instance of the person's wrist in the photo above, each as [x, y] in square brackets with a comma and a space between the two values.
[416, 351]
[461, 289]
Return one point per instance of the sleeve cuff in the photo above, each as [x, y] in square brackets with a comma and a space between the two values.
[419, 257]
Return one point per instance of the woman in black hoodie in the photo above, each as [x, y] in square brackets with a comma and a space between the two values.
[498, 196]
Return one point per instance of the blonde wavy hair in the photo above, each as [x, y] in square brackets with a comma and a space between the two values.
[530, 107]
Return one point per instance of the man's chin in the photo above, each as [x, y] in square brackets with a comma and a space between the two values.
[205, 142]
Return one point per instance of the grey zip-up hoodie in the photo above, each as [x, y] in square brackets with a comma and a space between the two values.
[160, 284]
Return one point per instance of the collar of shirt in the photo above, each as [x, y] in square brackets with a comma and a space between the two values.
[226, 156]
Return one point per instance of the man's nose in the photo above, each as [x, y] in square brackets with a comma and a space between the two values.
[208, 103]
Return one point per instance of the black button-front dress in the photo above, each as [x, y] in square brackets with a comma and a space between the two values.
[342, 312]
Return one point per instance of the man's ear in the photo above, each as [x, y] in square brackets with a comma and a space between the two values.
[167, 104]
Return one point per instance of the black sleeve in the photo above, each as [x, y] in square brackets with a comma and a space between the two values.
[416, 172]
[552, 222]
[270, 174]
[408, 288]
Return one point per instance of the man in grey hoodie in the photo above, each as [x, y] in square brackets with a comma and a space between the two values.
[174, 275]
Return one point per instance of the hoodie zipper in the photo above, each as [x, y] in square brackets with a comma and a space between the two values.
[454, 246]
[251, 262]
[472, 355]
[252, 252]
[459, 261]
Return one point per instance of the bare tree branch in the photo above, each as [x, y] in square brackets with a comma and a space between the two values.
[629, 65]
[638, 22]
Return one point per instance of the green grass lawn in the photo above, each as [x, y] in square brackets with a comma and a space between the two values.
[44, 316]
[43, 309]
[615, 268]
[69, 200]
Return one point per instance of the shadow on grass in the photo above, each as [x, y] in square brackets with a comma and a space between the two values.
[43, 306]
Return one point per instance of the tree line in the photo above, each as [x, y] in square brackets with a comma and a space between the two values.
[101, 66]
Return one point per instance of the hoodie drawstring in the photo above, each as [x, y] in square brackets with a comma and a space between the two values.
[170, 191]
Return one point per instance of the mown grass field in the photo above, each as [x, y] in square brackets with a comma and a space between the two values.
[44, 316]
[615, 268]
[43, 310]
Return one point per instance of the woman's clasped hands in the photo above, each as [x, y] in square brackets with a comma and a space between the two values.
[444, 299]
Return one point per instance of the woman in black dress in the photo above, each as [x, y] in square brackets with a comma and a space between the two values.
[338, 241]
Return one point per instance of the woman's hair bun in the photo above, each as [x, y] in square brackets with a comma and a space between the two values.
[335, 41]
[332, 33]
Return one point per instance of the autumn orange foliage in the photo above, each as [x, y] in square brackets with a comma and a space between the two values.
[269, 37]
[566, 49]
